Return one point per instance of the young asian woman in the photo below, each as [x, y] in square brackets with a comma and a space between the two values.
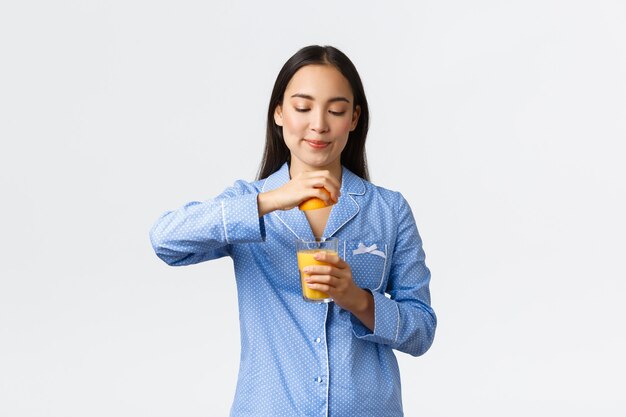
[299, 358]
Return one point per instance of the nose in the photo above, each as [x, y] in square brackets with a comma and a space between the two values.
[318, 123]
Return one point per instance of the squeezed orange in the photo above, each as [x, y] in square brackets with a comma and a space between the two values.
[313, 203]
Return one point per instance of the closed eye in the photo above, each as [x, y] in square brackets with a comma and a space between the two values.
[302, 110]
[337, 113]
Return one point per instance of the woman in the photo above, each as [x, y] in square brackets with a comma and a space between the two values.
[298, 358]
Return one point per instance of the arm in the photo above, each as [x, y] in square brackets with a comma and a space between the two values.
[200, 231]
[405, 321]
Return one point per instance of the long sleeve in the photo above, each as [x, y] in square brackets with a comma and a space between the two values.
[200, 231]
[405, 321]
[300, 358]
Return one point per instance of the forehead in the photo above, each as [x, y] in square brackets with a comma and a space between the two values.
[320, 82]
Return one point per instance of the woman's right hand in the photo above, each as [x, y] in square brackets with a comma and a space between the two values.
[300, 188]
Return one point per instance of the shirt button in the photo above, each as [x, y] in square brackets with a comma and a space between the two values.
[318, 340]
[318, 379]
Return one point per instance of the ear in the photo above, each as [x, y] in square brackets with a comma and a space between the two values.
[278, 115]
[355, 118]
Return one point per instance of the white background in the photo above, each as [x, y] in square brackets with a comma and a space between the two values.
[502, 122]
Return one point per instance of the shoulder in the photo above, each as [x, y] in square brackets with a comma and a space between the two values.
[387, 196]
[374, 198]
[390, 206]
[242, 187]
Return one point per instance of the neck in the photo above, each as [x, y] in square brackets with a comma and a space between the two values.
[296, 167]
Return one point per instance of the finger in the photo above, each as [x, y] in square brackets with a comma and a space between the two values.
[328, 257]
[341, 264]
[319, 270]
[320, 287]
[313, 187]
[328, 193]
[333, 187]
[327, 280]
[323, 179]
[325, 195]
[330, 179]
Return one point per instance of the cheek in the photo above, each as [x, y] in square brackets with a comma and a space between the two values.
[344, 125]
[293, 122]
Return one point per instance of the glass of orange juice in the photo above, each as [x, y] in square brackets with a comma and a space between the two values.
[305, 251]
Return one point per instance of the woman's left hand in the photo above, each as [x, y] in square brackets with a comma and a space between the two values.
[335, 279]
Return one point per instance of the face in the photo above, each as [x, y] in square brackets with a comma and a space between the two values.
[317, 114]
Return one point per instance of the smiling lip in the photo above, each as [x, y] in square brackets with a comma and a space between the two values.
[317, 144]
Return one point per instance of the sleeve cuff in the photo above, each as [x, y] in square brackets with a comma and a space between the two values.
[241, 221]
[386, 322]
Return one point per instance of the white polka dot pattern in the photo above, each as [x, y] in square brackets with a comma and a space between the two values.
[302, 359]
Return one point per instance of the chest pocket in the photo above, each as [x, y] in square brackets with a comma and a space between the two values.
[368, 262]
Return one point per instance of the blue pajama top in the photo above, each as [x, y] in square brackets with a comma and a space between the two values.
[299, 358]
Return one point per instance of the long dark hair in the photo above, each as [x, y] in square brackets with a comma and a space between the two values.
[276, 152]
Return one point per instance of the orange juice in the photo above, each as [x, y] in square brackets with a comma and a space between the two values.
[305, 258]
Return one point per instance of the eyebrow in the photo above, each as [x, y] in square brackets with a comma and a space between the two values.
[332, 100]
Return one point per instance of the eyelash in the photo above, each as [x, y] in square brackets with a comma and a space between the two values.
[334, 113]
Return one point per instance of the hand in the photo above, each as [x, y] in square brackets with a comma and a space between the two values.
[300, 188]
[336, 280]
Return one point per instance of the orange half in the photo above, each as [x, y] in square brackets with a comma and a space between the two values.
[313, 203]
